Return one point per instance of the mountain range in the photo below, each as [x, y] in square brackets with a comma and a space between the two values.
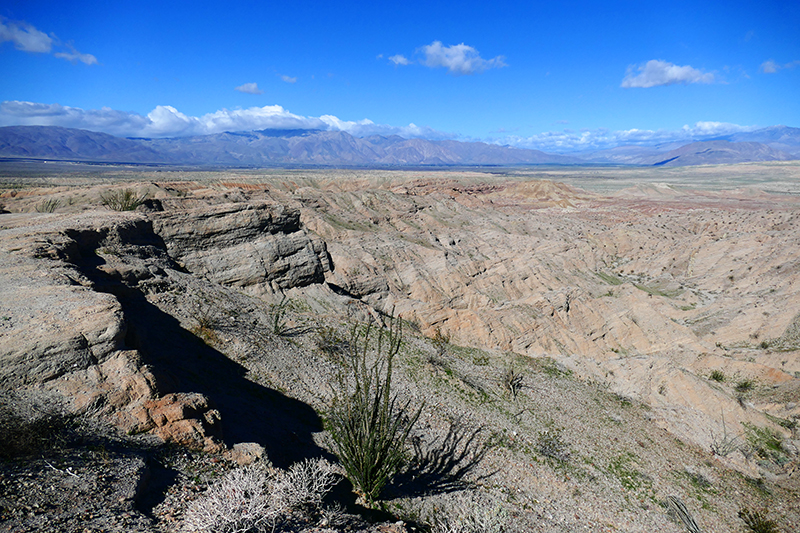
[336, 148]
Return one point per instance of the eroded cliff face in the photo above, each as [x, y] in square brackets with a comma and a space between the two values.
[80, 303]
[648, 291]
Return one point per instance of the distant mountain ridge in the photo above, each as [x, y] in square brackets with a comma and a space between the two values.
[261, 148]
[336, 148]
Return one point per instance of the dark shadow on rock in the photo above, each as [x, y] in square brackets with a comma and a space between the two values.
[442, 465]
[182, 362]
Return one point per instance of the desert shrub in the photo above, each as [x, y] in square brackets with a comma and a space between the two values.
[48, 205]
[725, 444]
[745, 385]
[717, 375]
[122, 200]
[440, 341]
[765, 442]
[757, 522]
[511, 381]
[256, 499]
[21, 436]
[367, 424]
[330, 342]
[471, 517]
[278, 316]
[551, 444]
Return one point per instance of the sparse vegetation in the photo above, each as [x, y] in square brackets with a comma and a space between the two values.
[440, 342]
[278, 316]
[718, 376]
[258, 498]
[48, 205]
[330, 342]
[123, 200]
[758, 522]
[745, 385]
[22, 436]
[368, 425]
[765, 441]
[512, 381]
[550, 444]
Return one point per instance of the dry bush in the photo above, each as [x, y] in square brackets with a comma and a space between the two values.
[256, 499]
[471, 517]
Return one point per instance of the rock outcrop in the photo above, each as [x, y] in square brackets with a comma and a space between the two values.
[65, 281]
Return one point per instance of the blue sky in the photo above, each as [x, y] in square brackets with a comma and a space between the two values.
[556, 76]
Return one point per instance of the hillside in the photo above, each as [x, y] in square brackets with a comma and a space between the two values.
[653, 331]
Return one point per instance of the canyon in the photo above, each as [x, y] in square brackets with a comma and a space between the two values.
[674, 289]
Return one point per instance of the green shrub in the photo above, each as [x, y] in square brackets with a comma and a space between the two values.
[717, 375]
[367, 423]
[758, 523]
[48, 206]
[123, 200]
[745, 385]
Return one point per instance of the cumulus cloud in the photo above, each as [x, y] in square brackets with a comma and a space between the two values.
[602, 138]
[399, 59]
[167, 121]
[289, 79]
[249, 88]
[655, 73]
[771, 67]
[27, 38]
[458, 59]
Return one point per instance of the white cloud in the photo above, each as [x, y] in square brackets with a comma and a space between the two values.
[73, 56]
[602, 138]
[399, 59]
[655, 73]
[249, 88]
[771, 67]
[289, 79]
[167, 121]
[458, 59]
[24, 36]
[28, 39]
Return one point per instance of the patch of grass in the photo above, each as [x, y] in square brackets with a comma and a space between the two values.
[745, 385]
[48, 205]
[611, 279]
[765, 441]
[622, 467]
[718, 376]
[123, 200]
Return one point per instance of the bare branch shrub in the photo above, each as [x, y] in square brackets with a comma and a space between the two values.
[511, 381]
[256, 499]
[471, 517]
